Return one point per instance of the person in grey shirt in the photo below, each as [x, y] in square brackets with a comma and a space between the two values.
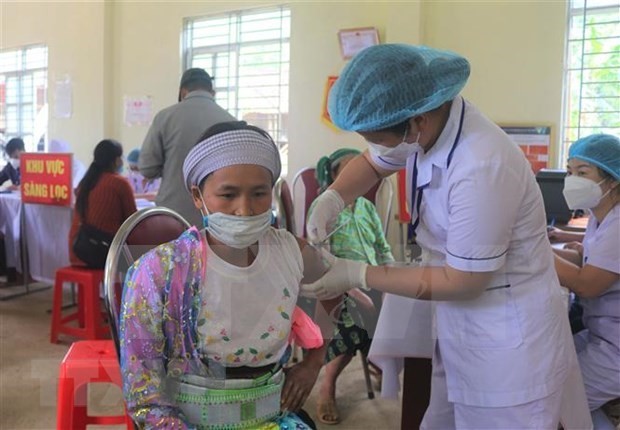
[174, 132]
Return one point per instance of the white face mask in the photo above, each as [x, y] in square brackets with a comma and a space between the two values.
[582, 193]
[236, 231]
[402, 151]
[14, 162]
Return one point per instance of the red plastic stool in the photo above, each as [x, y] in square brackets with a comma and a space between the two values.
[89, 316]
[86, 362]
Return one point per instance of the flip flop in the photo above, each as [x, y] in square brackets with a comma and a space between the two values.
[327, 412]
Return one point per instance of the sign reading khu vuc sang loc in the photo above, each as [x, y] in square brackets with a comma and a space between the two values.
[46, 178]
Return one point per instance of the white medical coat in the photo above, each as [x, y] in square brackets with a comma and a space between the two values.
[481, 211]
[598, 346]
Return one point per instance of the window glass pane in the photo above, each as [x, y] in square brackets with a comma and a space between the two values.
[204, 61]
[23, 92]
[213, 32]
[27, 119]
[592, 100]
[9, 61]
[12, 90]
[12, 127]
[35, 58]
[247, 53]
[27, 90]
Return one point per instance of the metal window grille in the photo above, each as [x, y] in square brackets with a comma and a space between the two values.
[247, 54]
[23, 94]
[592, 71]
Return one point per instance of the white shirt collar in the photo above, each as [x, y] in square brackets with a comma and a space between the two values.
[438, 154]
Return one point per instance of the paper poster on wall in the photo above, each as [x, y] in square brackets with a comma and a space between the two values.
[63, 98]
[354, 40]
[534, 142]
[137, 110]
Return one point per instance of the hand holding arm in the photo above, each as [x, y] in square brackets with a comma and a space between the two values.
[341, 277]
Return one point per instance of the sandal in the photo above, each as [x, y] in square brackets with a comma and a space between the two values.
[327, 412]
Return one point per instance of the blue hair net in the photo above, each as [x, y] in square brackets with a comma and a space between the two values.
[602, 150]
[133, 156]
[384, 85]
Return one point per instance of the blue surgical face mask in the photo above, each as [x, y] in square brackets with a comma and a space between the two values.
[236, 231]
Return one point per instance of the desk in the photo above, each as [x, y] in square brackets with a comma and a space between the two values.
[46, 234]
[575, 224]
[404, 339]
[10, 213]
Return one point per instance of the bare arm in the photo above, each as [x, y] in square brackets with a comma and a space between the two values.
[571, 255]
[358, 176]
[428, 283]
[314, 264]
[300, 379]
[558, 235]
[587, 281]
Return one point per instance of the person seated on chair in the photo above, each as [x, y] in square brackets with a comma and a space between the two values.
[208, 316]
[592, 270]
[104, 199]
[10, 172]
[358, 235]
[139, 183]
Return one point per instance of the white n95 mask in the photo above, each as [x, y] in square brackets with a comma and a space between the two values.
[237, 231]
[582, 193]
[400, 152]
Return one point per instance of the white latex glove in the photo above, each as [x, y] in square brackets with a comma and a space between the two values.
[324, 215]
[342, 276]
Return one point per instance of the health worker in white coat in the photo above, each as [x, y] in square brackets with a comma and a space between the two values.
[593, 271]
[504, 356]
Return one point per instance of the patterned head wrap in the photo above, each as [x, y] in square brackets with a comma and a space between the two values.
[230, 148]
[326, 166]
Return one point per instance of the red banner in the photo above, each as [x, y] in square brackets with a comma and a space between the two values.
[46, 178]
[331, 80]
[403, 210]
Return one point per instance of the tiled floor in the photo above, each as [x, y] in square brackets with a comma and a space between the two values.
[29, 368]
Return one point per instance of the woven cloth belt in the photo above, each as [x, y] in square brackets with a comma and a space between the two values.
[233, 404]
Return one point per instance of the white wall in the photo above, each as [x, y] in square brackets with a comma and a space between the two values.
[516, 51]
[113, 49]
[74, 34]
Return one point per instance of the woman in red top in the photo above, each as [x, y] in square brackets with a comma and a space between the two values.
[104, 197]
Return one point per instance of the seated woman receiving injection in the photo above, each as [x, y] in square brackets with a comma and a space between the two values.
[206, 318]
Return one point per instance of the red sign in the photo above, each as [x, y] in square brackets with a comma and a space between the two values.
[331, 80]
[46, 178]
